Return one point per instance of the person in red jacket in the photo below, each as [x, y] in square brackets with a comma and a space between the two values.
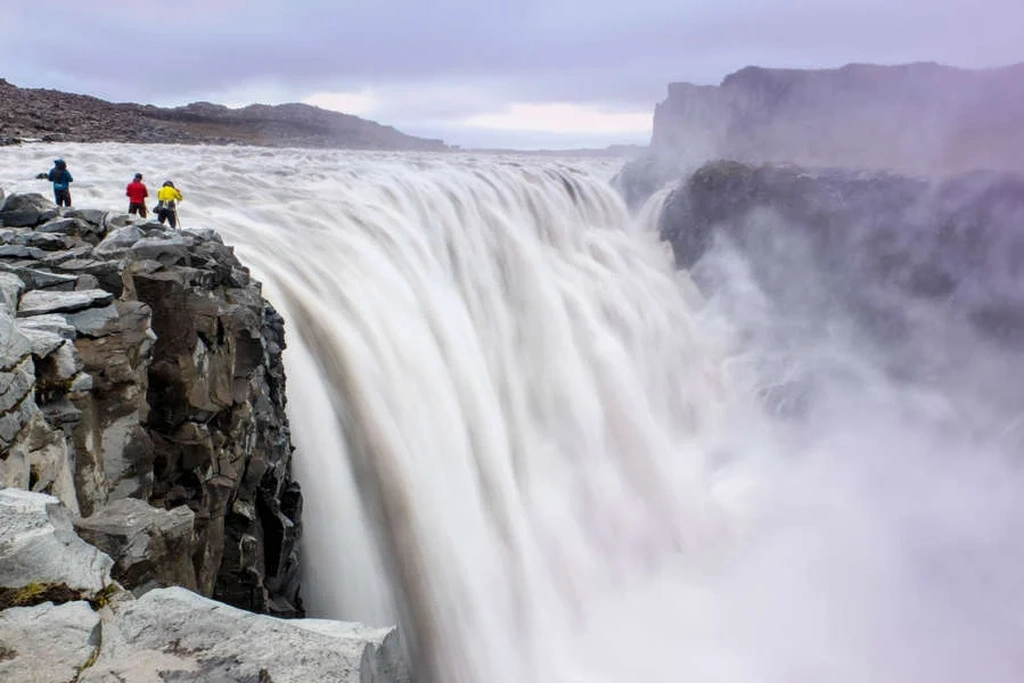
[137, 194]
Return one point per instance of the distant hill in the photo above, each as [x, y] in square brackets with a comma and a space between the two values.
[29, 113]
[611, 151]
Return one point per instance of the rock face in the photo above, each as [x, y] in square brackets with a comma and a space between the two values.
[921, 277]
[140, 366]
[27, 114]
[956, 240]
[150, 545]
[63, 619]
[916, 118]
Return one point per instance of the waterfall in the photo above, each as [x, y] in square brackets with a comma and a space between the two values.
[526, 438]
[524, 426]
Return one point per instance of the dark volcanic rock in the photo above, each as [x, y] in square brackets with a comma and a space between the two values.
[149, 545]
[864, 237]
[147, 371]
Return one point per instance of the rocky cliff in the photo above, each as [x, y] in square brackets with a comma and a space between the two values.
[63, 618]
[915, 118]
[141, 384]
[923, 276]
[51, 115]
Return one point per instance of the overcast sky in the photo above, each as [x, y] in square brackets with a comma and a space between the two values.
[522, 73]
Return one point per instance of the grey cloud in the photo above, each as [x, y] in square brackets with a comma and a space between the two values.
[616, 54]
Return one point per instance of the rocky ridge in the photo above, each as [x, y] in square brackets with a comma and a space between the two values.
[54, 116]
[141, 384]
[921, 119]
[144, 465]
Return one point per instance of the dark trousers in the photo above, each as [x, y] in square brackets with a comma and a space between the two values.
[139, 208]
[169, 214]
[62, 197]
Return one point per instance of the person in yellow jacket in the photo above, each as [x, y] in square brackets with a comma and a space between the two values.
[167, 209]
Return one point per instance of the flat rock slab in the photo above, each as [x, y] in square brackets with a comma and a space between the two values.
[39, 548]
[39, 302]
[41, 279]
[20, 251]
[95, 322]
[43, 342]
[172, 634]
[92, 216]
[166, 251]
[47, 642]
[51, 322]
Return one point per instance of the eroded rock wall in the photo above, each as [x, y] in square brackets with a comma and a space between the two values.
[139, 363]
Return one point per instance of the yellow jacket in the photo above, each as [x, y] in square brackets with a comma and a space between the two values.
[169, 194]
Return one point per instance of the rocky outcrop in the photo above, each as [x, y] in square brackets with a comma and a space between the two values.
[28, 114]
[41, 558]
[66, 620]
[141, 384]
[916, 118]
[891, 256]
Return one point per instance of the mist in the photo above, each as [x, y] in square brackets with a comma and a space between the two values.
[551, 455]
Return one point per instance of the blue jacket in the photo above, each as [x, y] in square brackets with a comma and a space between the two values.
[60, 177]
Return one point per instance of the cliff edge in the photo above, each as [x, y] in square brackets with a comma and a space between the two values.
[141, 384]
[921, 119]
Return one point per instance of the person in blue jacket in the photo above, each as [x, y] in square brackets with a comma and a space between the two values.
[61, 178]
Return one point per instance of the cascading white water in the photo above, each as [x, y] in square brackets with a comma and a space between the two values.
[565, 472]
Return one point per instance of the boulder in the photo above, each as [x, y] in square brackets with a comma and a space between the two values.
[165, 251]
[93, 217]
[39, 302]
[41, 558]
[52, 322]
[44, 342]
[106, 272]
[25, 210]
[48, 643]
[63, 226]
[95, 322]
[20, 251]
[118, 241]
[173, 634]
[148, 544]
[48, 242]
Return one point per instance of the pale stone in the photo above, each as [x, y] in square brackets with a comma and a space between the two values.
[47, 643]
[39, 545]
[173, 634]
[38, 301]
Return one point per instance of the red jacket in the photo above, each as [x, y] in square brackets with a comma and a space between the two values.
[137, 193]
